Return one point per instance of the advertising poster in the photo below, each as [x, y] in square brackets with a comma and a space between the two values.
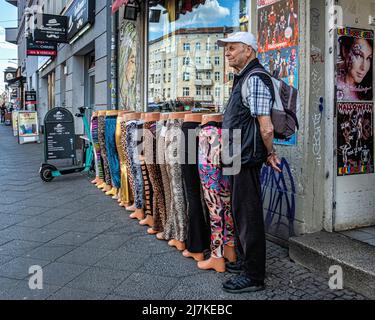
[355, 141]
[15, 123]
[277, 24]
[278, 43]
[354, 64]
[27, 124]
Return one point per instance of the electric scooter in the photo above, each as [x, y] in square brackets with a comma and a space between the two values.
[48, 172]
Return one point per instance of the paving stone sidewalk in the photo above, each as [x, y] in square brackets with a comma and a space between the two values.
[89, 248]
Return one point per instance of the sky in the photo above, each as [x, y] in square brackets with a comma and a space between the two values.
[214, 13]
[8, 18]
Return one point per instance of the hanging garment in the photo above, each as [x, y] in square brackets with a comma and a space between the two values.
[96, 145]
[216, 188]
[135, 166]
[161, 129]
[101, 138]
[158, 203]
[113, 161]
[125, 194]
[177, 220]
[198, 227]
[127, 159]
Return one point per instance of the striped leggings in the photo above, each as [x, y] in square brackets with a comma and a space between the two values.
[96, 145]
[103, 150]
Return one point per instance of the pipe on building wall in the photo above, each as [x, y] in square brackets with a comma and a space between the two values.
[114, 64]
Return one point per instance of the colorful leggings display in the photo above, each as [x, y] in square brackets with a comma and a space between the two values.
[198, 228]
[125, 192]
[103, 150]
[161, 129]
[135, 166]
[158, 203]
[113, 161]
[216, 188]
[126, 157]
[96, 145]
[177, 220]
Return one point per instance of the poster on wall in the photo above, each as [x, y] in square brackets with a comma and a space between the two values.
[129, 71]
[278, 43]
[277, 24]
[354, 64]
[355, 141]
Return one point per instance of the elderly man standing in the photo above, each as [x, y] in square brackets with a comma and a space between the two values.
[252, 115]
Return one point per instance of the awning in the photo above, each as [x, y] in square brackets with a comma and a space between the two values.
[116, 5]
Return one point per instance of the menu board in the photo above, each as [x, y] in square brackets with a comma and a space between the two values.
[59, 134]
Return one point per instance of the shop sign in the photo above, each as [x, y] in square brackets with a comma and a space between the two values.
[8, 76]
[59, 134]
[27, 127]
[40, 48]
[30, 97]
[79, 14]
[50, 27]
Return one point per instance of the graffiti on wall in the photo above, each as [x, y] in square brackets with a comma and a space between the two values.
[278, 197]
[129, 76]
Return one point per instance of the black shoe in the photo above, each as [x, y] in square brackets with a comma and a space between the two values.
[241, 284]
[234, 267]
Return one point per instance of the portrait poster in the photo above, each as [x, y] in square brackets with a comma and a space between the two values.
[277, 24]
[129, 68]
[355, 141]
[354, 70]
[27, 124]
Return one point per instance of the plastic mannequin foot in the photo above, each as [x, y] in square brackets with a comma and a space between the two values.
[196, 256]
[151, 231]
[99, 183]
[148, 221]
[121, 204]
[137, 214]
[131, 208]
[95, 181]
[217, 264]
[107, 188]
[102, 186]
[180, 245]
[160, 236]
[111, 192]
[230, 253]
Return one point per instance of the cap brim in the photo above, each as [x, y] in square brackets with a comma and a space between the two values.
[223, 42]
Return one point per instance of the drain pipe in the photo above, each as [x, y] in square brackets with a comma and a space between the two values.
[113, 85]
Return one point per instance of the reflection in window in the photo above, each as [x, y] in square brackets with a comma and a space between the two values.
[183, 38]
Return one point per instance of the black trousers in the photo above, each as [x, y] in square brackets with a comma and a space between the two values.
[198, 228]
[249, 222]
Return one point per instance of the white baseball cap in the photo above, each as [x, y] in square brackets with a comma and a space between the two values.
[243, 37]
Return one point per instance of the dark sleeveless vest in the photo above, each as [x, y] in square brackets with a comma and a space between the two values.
[238, 116]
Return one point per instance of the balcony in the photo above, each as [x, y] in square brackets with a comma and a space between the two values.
[204, 98]
[11, 35]
[204, 67]
[206, 82]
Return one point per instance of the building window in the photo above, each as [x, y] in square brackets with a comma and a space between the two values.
[169, 63]
[198, 60]
[217, 92]
[217, 48]
[186, 91]
[217, 61]
[208, 46]
[186, 46]
[208, 75]
[186, 76]
[208, 91]
[169, 93]
[199, 76]
[198, 91]
[208, 60]
[186, 61]
[164, 64]
[217, 76]
[198, 46]
[230, 76]
[169, 77]
[164, 77]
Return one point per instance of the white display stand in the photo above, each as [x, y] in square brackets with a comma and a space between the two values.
[28, 127]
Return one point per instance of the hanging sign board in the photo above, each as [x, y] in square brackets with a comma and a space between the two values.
[79, 14]
[50, 27]
[28, 127]
[59, 134]
[40, 48]
[30, 97]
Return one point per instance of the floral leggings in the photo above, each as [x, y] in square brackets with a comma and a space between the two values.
[96, 145]
[135, 166]
[103, 150]
[215, 188]
[176, 226]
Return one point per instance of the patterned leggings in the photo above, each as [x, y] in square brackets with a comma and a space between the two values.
[103, 150]
[176, 226]
[164, 176]
[96, 145]
[113, 161]
[134, 163]
[216, 189]
[125, 192]
[158, 203]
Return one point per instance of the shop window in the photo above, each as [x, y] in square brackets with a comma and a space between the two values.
[185, 26]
